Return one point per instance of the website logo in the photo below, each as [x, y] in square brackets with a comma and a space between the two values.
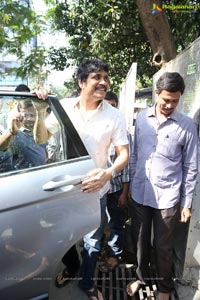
[156, 9]
[175, 8]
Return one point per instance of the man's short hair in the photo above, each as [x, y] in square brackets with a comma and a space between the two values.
[22, 88]
[171, 82]
[112, 96]
[90, 66]
[24, 104]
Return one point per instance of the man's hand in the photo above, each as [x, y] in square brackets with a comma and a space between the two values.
[41, 93]
[185, 214]
[95, 180]
[16, 121]
[122, 202]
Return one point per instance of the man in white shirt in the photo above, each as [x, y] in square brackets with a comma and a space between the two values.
[99, 125]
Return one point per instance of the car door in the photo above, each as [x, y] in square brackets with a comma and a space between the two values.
[43, 211]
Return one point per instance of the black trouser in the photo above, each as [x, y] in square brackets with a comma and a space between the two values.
[163, 221]
[71, 261]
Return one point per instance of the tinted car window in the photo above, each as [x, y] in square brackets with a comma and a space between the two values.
[20, 151]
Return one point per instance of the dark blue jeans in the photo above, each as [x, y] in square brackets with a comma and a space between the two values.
[92, 247]
[116, 223]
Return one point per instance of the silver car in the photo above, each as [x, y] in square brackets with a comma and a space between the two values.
[43, 211]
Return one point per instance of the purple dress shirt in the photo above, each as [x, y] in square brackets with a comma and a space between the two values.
[163, 160]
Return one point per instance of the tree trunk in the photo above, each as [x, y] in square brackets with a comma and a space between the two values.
[158, 31]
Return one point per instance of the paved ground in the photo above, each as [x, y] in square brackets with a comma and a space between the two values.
[72, 292]
[113, 285]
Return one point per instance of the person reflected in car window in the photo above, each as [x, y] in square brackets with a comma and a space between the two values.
[53, 149]
[99, 125]
[26, 153]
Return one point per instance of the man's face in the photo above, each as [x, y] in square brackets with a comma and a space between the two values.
[167, 102]
[29, 115]
[96, 85]
[112, 102]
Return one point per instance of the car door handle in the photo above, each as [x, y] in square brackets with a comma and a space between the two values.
[61, 181]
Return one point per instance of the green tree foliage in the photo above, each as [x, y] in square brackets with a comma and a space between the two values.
[33, 65]
[108, 29]
[185, 25]
[112, 31]
[18, 24]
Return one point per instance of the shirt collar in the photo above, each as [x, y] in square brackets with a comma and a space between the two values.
[99, 107]
[23, 129]
[76, 100]
[174, 115]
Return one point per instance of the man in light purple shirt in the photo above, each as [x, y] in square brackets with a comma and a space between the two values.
[163, 166]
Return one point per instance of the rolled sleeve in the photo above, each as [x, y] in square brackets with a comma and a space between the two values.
[119, 131]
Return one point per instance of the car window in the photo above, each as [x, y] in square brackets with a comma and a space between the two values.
[18, 148]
